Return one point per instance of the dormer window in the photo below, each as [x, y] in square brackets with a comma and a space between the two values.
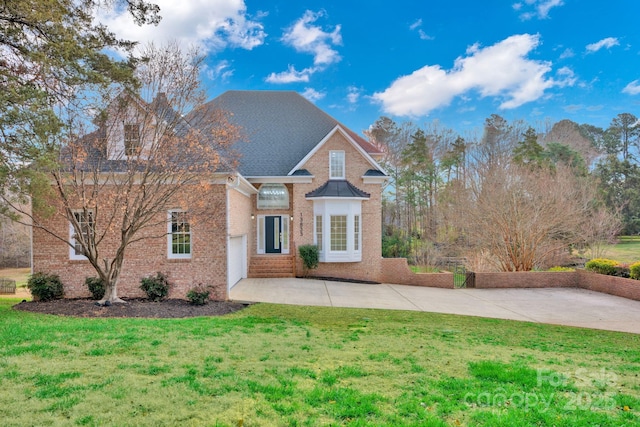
[336, 165]
[132, 139]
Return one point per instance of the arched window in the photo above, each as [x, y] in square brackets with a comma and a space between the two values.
[273, 196]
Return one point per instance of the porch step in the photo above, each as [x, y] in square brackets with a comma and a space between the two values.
[263, 266]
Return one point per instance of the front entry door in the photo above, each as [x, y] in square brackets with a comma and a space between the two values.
[273, 234]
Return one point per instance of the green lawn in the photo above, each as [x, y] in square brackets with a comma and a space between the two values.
[627, 249]
[311, 366]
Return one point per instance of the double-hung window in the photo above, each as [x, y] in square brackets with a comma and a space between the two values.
[336, 165]
[179, 235]
[85, 222]
[132, 139]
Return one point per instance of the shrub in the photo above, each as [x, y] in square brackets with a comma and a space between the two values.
[558, 268]
[96, 287]
[45, 287]
[634, 270]
[310, 256]
[156, 288]
[602, 266]
[621, 270]
[199, 295]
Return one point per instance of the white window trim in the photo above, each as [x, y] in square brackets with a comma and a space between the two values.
[344, 164]
[170, 254]
[72, 249]
[350, 208]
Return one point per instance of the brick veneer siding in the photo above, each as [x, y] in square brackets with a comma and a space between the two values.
[526, 279]
[207, 265]
[397, 271]
[619, 286]
[612, 285]
[369, 268]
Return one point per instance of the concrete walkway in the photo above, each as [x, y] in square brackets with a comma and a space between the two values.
[558, 306]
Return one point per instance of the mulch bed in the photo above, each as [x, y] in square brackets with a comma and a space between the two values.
[170, 308]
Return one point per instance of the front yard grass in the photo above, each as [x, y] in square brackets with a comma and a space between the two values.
[275, 365]
[627, 250]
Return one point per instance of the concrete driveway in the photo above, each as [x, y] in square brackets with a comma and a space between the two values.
[558, 306]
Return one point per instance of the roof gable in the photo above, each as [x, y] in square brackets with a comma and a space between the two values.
[281, 128]
[347, 136]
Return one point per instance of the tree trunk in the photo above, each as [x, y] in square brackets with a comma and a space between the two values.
[111, 283]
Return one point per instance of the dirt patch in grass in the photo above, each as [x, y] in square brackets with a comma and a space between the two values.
[171, 308]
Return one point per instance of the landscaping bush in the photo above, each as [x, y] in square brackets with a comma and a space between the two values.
[45, 287]
[199, 295]
[96, 287]
[558, 268]
[602, 266]
[621, 270]
[310, 256]
[634, 270]
[156, 288]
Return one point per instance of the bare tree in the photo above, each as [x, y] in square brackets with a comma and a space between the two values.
[15, 243]
[600, 231]
[517, 216]
[569, 133]
[116, 184]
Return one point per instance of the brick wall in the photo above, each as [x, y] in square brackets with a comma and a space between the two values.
[397, 271]
[302, 231]
[207, 265]
[526, 279]
[619, 286]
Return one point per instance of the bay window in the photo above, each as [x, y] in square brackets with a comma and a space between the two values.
[337, 229]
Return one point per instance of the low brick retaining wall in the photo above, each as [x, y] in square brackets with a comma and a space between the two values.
[612, 285]
[619, 286]
[397, 271]
[527, 279]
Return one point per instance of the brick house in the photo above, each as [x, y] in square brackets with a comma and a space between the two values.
[302, 178]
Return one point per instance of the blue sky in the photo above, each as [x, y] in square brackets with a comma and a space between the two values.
[456, 62]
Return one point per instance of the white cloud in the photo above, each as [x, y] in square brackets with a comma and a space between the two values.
[536, 8]
[290, 76]
[606, 43]
[502, 71]
[416, 27]
[632, 88]
[545, 6]
[221, 70]
[425, 36]
[353, 94]
[307, 38]
[210, 25]
[312, 94]
[567, 53]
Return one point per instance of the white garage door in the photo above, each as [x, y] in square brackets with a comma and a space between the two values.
[237, 259]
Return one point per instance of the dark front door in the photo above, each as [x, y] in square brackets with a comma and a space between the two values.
[273, 231]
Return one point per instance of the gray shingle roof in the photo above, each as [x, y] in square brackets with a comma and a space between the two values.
[281, 128]
[374, 172]
[337, 188]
